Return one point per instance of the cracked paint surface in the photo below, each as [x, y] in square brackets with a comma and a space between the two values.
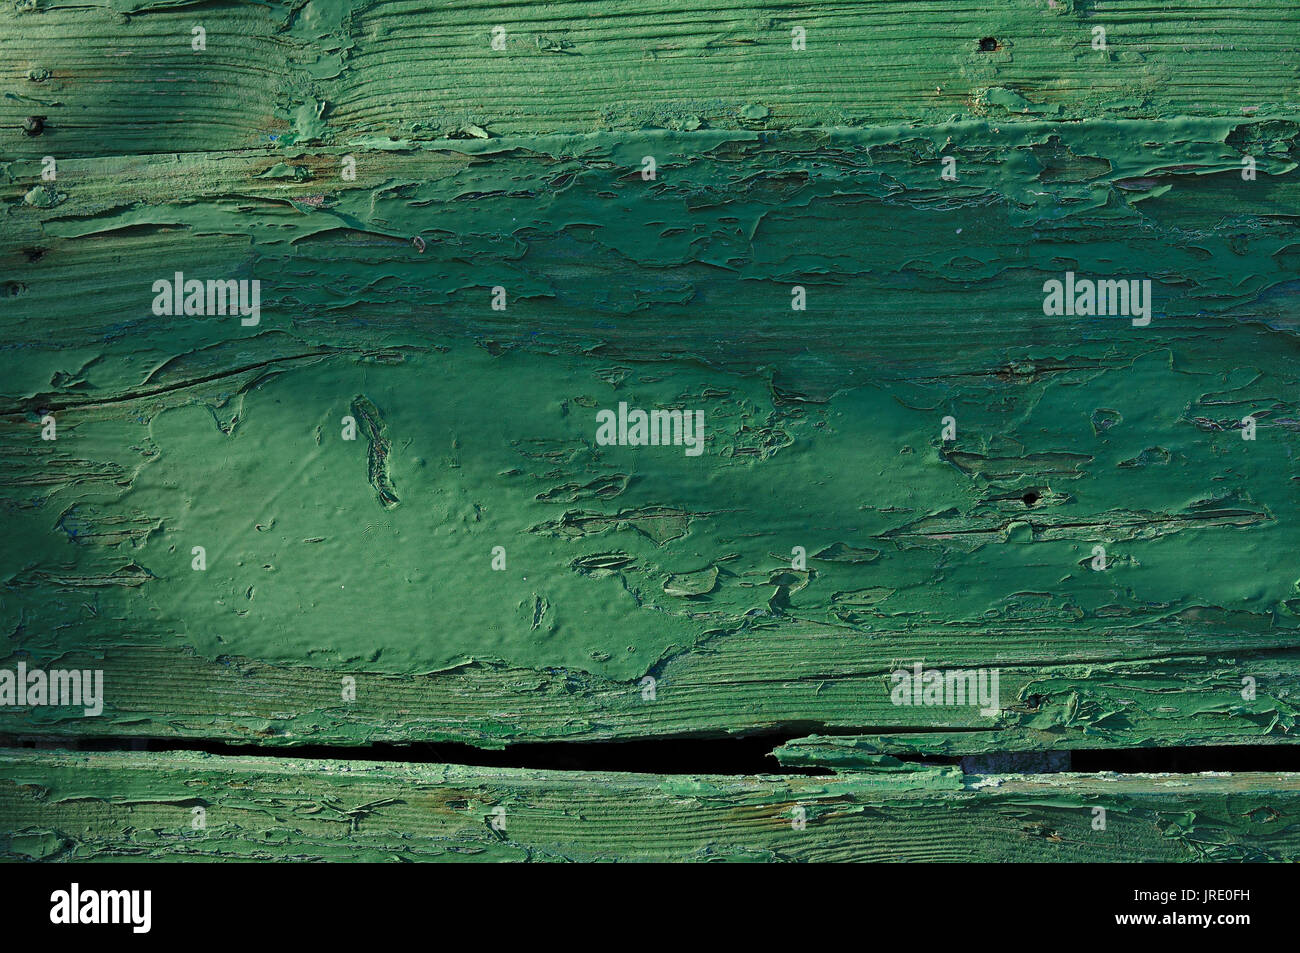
[476, 428]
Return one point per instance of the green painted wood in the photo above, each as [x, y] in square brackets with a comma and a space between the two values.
[975, 553]
[371, 560]
[125, 806]
[120, 77]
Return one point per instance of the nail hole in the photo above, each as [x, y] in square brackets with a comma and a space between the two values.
[33, 125]
[988, 45]
[1031, 498]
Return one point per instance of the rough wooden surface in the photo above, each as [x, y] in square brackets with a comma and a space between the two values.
[371, 560]
[823, 431]
[120, 77]
[127, 806]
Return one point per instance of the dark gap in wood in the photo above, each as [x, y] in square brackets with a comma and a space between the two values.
[728, 755]
[735, 755]
[1235, 758]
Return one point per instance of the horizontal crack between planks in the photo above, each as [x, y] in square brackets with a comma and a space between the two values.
[735, 755]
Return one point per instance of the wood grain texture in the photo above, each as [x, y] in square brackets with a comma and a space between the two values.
[121, 78]
[822, 432]
[381, 170]
[138, 807]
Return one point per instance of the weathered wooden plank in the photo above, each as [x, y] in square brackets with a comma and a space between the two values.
[123, 77]
[140, 806]
[823, 431]
[799, 680]
[349, 592]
